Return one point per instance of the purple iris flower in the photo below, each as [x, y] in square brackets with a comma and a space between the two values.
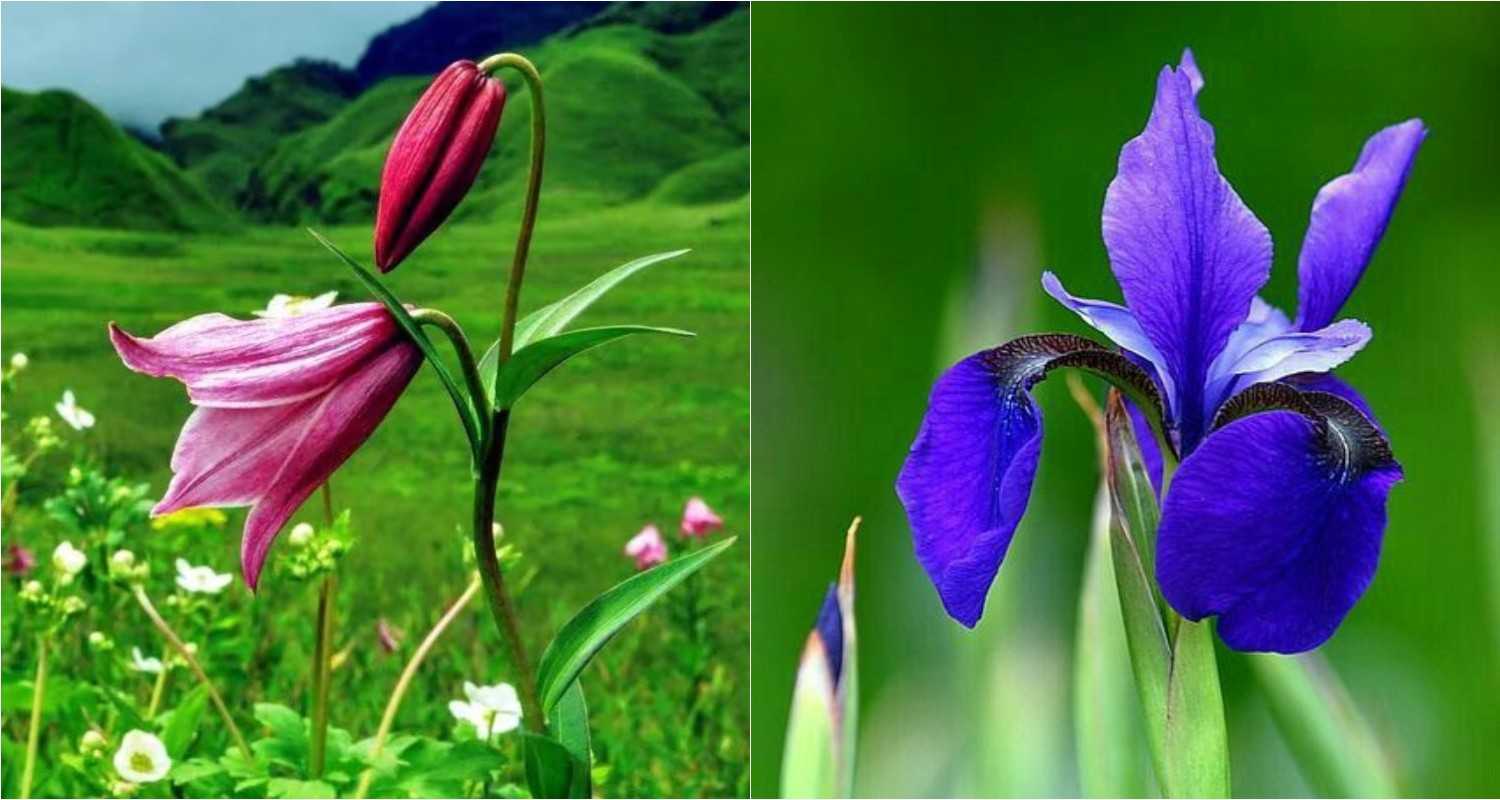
[1274, 519]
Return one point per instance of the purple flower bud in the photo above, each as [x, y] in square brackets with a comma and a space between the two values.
[434, 158]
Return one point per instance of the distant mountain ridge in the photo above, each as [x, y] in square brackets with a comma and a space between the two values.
[662, 87]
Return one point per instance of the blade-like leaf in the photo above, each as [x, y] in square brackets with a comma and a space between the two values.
[1113, 758]
[181, 725]
[549, 766]
[847, 694]
[549, 320]
[1197, 741]
[1334, 747]
[592, 627]
[535, 360]
[569, 722]
[1133, 509]
[466, 412]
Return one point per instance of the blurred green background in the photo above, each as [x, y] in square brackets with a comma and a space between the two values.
[918, 166]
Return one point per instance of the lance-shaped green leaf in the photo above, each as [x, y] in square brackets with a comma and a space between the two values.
[592, 627]
[1133, 518]
[1334, 747]
[1197, 740]
[532, 362]
[466, 411]
[569, 723]
[550, 320]
[549, 766]
[823, 726]
[1113, 758]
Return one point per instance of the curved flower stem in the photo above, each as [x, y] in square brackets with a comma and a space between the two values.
[404, 682]
[450, 327]
[192, 661]
[533, 192]
[501, 606]
[33, 733]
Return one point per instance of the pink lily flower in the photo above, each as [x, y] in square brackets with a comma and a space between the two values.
[647, 548]
[698, 519]
[281, 404]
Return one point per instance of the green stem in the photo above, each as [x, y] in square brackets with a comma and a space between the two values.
[501, 606]
[404, 682]
[322, 655]
[33, 734]
[157, 691]
[192, 662]
[322, 659]
[533, 194]
[450, 327]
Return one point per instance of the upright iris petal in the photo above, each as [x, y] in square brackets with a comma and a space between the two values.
[281, 404]
[1349, 217]
[1188, 254]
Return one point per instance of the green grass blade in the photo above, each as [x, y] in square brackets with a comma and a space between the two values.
[569, 722]
[1197, 740]
[550, 320]
[592, 627]
[1113, 757]
[1334, 747]
[465, 408]
[532, 362]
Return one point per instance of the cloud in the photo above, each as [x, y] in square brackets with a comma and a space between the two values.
[142, 62]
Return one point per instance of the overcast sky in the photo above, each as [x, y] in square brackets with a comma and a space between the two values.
[144, 62]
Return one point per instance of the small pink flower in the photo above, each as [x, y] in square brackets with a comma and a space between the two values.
[647, 548]
[389, 635]
[281, 404]
[19, 560]
[435, 158]
[698, 519]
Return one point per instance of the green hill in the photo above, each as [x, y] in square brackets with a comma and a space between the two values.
[68, 164]
[222, 145]
[627, 107]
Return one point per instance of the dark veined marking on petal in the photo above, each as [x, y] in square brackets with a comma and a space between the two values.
[1354, 445]
[1021, 363]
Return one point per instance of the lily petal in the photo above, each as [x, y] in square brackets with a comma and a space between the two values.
[341, 421]
[1349, 217]
[230, 363]
[1275, 524]
[1188, 254]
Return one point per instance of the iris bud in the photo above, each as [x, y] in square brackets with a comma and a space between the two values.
[435, 158]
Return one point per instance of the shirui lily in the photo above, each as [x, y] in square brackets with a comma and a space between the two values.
[647, 548]
[281, 404]
[698, 520]
[1274, 520]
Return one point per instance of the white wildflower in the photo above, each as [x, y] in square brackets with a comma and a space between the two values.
[68, 561]
[201, 580]
[142, 758]
[490, 709]
[72, 414]
[140, 663]
[301, 534]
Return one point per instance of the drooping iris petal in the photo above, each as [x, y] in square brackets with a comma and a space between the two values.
[967, 479]
[1349, 216]
[1187, 252]
[1332, 384]
[1115, 322]
[232, 363]
[1290, 353]
[1274, 524]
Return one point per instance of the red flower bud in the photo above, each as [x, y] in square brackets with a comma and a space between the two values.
[434, 158]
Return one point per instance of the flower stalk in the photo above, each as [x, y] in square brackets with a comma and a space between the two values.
[157, 690]
[33, 733]
[192, 662]
[388, 718]
[322, 676]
